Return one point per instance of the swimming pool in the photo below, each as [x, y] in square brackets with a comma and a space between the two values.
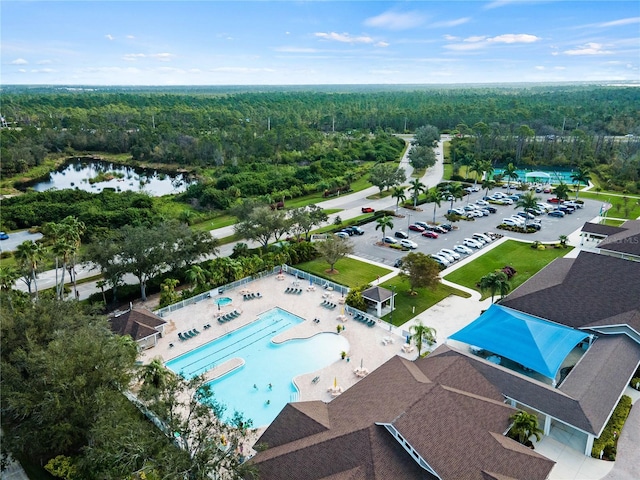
[264, 384]
[222, 301]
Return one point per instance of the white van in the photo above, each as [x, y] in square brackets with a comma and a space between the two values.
[481, 236]
[511, 222]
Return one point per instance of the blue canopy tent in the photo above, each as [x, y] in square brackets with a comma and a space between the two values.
[534, 343]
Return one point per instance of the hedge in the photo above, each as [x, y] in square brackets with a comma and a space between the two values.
[608, 440]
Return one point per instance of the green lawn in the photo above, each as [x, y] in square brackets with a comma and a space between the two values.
[618, 210]
[526, 260]
[352, 273]
[408, 306]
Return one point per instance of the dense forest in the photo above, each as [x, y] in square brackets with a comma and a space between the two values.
[290, 142]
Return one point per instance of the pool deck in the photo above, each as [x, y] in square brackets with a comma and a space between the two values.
[369, 345]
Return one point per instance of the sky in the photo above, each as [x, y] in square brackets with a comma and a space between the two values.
[318, 42]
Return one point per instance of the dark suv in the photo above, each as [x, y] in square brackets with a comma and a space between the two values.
[354, 230]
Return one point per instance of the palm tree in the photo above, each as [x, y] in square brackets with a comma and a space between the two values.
[495, 282]
[524, 425]
[66, 243]
[154, 376]
[561, 191]
[477, 166]
[383, 223]
[511, 174]
[434, 195]
[399, 195]
[563, 240]
[28, 255]
[488, 185]
[455, 191]
[8, 276]
[528, 201]
[196, 276]
[421, 333]
[417, 187]
[580, 177]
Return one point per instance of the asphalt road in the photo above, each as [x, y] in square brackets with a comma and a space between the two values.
[16, 238]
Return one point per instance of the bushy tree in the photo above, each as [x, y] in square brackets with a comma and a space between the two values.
[420, 270]
[333, 249]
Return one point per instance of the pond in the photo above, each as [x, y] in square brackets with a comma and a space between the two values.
[93, 175]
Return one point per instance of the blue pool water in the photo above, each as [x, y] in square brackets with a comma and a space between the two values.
[222, 301]
[266, 363]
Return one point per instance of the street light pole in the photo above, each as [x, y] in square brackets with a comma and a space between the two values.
[408, 220]
[393, 295]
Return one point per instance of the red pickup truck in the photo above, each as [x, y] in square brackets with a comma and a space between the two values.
[555, 200]
[367, 210]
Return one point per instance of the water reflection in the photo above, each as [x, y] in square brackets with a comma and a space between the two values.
[95, 175]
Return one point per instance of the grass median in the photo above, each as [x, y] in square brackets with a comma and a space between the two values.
[525, 260]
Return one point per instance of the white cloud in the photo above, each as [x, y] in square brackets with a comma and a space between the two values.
[477, 42]
[108, 36]
[382, 44]
[497, 4]
[591, 48]
[396, 21]
[514, 38]
[163, 57]
[131, 37]
[539, 67]
[559, 68]
[45, 62]
[19, 61]
[22, 70]
[451, 38]
[452, 23]
[130, 57]
[343, 37]
[622, 21]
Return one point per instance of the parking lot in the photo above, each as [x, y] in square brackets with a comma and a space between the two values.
[552, 228]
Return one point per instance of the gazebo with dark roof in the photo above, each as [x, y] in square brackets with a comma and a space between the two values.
[379, 296]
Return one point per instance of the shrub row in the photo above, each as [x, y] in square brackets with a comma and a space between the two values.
[607, 442]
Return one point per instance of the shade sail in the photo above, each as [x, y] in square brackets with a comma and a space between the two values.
[534, 343]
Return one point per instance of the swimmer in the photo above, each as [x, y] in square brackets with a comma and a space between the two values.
[270, 386]
[268, 402]
[255, 386]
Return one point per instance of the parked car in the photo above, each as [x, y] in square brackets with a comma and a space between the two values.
[389, 240]
[416, 228]
[556, 213]
[446, 255]
[482, 203]
[455, 255]
[475, 214]
[408, 244]
[355, 230]
[554, 200]
[440, 259]
[575, 205]
[430, 234]
[438, 229]
[401, 234]
[527, 215]
[4, 236]
[470, 242]
[565, 209]
[491, 209]
[447, 226]
[511, 222]
[398, 263]
[367, 210]
[342, 234]
[481, 236]
[459, 211]
[462, 249]
[424, 225]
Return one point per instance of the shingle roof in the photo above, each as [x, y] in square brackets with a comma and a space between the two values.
[601, 375]
[377, 294]
[601, 229]
[137, 322]
[593, 289]
[625, 241]
[456, 429]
